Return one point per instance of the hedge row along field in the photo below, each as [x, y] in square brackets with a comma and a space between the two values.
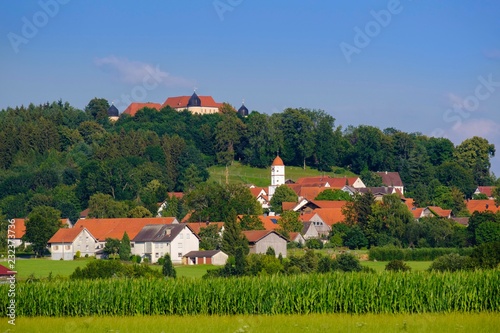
[388, 253]
[299, 294]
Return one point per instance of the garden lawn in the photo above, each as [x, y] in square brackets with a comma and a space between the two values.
[449, 322]
[41, 268]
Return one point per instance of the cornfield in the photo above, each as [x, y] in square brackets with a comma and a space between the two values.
[299, 294]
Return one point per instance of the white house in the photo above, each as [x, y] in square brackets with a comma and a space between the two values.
[156, 240]
[67, 242]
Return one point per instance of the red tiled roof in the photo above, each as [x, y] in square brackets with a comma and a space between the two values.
[390, 178]
[257, 190]
[440, 211]
[306, 217]
[21, 227]
[84, 213]
[134, 107]
[334, 182]
[269, 222]
[482, 205]
[186, 218]
[196, 226]
[288, 205]
[310, 193]
[278, 161]
[329, 203]
[65, 235]
[293, 235]
[115, 228]
[417, 212]
[182, 102]
[178, 195]
[254, 236]
[488, 190]
[330, 215]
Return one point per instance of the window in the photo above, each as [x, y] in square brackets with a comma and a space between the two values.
[86, 247]
[132, 245]
[56, 247]
[187, 236]
[180, 245]
[156, 245]
[67, 247]
[181, 235]
[179, 254]
[157, 255]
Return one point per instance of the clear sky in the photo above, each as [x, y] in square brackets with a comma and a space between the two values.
[419, 66]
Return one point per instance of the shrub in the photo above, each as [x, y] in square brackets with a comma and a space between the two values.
[486, 255]
[105, 269]
[314, 243]
[347, 262]
[397, 266]
[168, 269]
[78, 254]
[452, 262]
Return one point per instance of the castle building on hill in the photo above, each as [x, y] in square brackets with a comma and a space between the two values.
[277, 175]
[113, 113]
[194, 104]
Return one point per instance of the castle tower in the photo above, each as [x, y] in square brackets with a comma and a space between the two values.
[277, 175]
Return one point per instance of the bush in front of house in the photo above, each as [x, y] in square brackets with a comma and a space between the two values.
[106, 269]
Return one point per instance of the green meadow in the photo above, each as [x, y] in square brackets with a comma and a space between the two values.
[443, 323]
[238, 173]
[42, 268]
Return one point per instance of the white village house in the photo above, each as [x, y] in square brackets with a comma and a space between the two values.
[66, 243]
[156, 240]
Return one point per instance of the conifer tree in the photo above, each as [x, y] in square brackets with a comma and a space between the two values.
[168, 269]
[125, 250]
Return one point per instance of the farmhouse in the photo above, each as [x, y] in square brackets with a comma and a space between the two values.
[392, 179]
[67, 242]
[260, 240]
[213, 257]
[156, 240]
[116, 227]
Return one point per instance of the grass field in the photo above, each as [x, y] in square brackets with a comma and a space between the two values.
[379, 266]
[238, 173]
[41, 268]
[450, 322]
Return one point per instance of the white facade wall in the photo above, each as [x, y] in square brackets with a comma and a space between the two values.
[271, 240]
[84, 243]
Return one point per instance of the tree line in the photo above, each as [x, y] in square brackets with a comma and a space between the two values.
[58, 156]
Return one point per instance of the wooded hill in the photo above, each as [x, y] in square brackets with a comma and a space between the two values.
[56, 155]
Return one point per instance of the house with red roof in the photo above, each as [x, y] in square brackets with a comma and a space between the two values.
[194, 104]
[486, 190]
[260, 240]
[65, 243]
[116, 227]
[482, 206]
[392, 179]
[134, 107]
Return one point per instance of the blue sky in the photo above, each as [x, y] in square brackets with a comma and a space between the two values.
[419, 66]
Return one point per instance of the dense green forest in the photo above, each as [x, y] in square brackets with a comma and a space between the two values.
[59, 156]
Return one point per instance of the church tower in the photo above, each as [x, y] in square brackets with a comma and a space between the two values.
[277, 175]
